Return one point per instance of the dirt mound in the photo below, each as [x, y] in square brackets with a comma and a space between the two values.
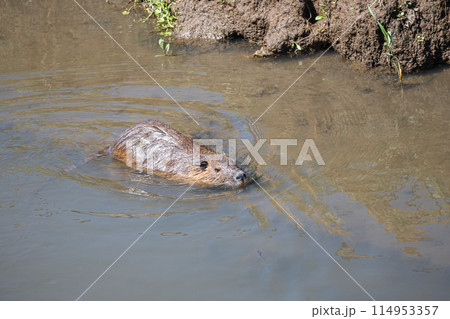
[419, 29]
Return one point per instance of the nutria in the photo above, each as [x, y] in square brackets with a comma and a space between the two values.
[171, 154]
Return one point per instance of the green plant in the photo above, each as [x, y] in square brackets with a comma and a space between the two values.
[295, 45]
[165, 18]
[324, 13]
[165, 47]
[127, 11]
[401, 7]
[388, 46]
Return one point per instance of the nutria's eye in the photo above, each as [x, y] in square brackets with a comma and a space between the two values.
[204, 164]
[217, 170]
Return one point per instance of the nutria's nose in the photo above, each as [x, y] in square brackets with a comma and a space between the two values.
[241, 177]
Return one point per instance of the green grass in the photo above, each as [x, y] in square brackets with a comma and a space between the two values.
[388, 46]
[165, 18]
[165, 47]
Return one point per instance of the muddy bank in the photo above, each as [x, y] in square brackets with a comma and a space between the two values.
[419, 29]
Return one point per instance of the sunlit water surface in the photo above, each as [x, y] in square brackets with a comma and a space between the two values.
[379, 206]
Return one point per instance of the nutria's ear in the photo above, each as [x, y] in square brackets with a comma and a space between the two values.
[204, 164]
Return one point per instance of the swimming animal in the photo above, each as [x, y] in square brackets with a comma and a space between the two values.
[155, 146]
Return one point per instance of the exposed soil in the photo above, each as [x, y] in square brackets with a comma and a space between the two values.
[419, 28]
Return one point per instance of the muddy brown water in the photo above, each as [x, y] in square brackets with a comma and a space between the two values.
[379, 206]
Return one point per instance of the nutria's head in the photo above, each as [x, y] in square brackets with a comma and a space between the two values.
[216, 170]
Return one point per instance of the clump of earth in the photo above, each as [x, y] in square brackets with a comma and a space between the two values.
[419, 28]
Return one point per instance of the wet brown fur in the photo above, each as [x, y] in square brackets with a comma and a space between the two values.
[172, 155]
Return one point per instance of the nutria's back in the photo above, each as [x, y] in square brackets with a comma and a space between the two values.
[153, 145]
